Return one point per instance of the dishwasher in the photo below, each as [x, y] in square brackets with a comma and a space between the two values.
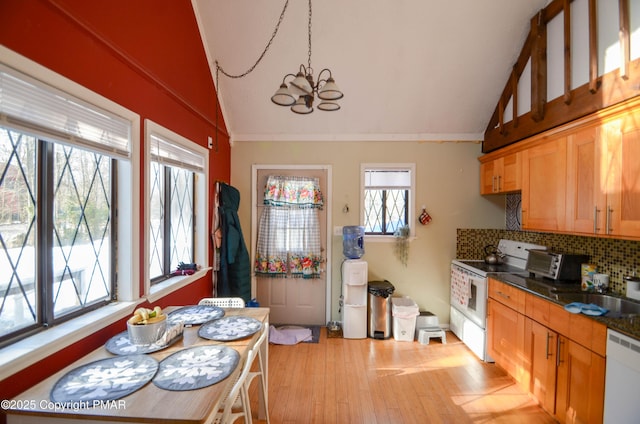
[622, 383]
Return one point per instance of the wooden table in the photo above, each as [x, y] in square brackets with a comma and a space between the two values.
[149, 404]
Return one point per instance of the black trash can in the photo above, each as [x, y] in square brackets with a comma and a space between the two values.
[379, 310]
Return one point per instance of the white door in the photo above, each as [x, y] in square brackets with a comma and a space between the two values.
[293, 300]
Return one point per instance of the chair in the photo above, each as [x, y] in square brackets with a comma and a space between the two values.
[262, 365]
[225, 413]
[223, 302]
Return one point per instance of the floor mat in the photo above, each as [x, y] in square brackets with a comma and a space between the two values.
[315, 331]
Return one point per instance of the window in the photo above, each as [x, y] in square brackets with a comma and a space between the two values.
[59, 163]
[177, 167]
[387, 193]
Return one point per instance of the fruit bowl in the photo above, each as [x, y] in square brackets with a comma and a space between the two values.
[142, 334]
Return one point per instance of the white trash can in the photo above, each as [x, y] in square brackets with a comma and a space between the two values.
[404, 311]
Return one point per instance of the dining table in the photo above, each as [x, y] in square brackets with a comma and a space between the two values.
[149, 403]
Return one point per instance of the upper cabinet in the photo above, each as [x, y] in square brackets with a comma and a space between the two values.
[501, 175]
[623, 195]
[603, 178]
[586, 194]
[580, 178]
[544, 185]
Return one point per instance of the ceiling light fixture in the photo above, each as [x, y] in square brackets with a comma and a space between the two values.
[302, 90]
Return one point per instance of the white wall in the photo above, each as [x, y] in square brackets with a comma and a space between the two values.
[447, 184]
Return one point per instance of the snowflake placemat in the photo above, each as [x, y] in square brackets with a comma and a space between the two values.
[230, 328]
[104, 380]
[196, 314]
[196, 367]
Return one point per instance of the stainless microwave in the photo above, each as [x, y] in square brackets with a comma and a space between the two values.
[556, 265]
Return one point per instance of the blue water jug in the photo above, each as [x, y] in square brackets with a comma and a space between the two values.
[353, 241]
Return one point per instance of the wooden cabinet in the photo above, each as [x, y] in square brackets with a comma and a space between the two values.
[557, 356]
[544, 185]
[505, 322]
[586, 199]
[581, 178]
[622, 214]
[501, 175]
[541, 346]
[580, 383]
[603, 176]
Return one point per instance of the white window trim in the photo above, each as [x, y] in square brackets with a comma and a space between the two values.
[201, 201]
[26, 352]
[412, 198]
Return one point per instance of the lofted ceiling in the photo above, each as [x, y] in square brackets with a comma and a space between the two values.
[423, 70]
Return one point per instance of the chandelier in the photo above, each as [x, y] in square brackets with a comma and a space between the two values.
[302, 90]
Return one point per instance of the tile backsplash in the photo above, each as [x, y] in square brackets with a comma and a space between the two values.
[614, 257]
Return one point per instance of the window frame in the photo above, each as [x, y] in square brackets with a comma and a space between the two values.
[201, 200]
[20, 354]
[411, 215]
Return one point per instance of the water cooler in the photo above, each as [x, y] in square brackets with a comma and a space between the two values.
[354, 285]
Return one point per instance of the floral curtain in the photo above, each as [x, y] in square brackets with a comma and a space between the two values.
[289, 228]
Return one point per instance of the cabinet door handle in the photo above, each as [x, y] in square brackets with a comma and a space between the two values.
[608, 227]
[596, 211]
[506, 296]
[559, 352]
[493, 183]
[549, 336]
[499, 181]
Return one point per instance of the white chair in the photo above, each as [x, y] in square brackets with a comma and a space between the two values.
[260, 373]
[230, 398]
[223, 302]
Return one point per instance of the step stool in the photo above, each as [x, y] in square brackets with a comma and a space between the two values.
[425, 334]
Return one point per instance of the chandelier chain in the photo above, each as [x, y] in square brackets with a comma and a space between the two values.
[309, 61]
[273, 35]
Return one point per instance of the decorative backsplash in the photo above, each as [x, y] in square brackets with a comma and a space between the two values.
[614, 257]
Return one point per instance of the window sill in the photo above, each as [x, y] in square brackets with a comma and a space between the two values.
[26, 352]
[385, 239]
[160, 290]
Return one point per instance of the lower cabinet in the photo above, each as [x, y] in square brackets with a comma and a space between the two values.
[580, 385]
[541, 345]
[506, 346]
[556, 356]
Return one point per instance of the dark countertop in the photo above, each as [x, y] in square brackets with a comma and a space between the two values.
[549, 290]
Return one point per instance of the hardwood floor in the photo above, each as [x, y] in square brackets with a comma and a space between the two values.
[386, 381]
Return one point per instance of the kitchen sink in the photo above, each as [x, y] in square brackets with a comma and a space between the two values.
[617, 306]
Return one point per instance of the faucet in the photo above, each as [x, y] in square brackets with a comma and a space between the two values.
[633, 286]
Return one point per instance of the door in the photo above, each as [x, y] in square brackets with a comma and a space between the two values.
[544, 186]
[293, 300]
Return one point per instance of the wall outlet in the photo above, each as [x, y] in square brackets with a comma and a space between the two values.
[337, 231]
[210, 142]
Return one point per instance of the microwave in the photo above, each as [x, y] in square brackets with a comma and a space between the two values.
[556, 265]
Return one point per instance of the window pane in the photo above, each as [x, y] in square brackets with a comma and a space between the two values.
[17, 231]
[181, 217]
[156, 214]
[395, 209]
[373, 213]
[81, 233]
[385, 211]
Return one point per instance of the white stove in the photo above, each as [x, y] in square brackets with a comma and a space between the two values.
[469, 292]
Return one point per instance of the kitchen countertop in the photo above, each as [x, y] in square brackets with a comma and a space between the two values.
[629, 325]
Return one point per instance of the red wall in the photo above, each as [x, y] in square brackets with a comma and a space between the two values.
[147, 56]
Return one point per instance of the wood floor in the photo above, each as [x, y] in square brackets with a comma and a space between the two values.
[387, 381]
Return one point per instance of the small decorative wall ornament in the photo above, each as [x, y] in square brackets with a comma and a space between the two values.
[424, 217]
[402, 244]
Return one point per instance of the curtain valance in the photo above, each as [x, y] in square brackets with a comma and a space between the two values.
[301, 192]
